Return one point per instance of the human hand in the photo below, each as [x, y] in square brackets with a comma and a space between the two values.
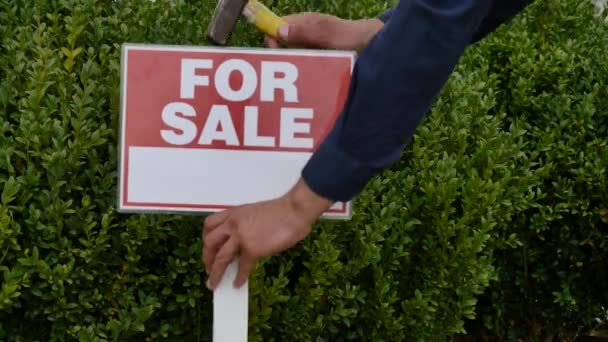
[323, 31]
[258, 230]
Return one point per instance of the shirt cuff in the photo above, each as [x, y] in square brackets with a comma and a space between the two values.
[384, 17]
[335, 175]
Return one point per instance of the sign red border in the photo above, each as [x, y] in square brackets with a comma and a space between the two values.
[340, 211]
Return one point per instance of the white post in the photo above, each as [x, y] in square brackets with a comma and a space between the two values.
[230, 308]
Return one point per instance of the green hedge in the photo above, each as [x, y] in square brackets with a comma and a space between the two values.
[552, 73]
[493, 220]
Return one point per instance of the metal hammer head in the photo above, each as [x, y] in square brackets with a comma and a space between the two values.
[225, 17]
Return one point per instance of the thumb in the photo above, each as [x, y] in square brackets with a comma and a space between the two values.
[317, 34]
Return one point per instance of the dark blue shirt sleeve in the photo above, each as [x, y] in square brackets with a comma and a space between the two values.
[395, 79]
[386, 15]
[500, 13]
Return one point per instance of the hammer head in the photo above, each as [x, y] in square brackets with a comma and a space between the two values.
[225, 17]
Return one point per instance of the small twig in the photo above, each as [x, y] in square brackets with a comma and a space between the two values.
[4, 254]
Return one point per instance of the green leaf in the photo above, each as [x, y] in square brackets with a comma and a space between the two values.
[11, 188]
[68, 64]
[67, 52]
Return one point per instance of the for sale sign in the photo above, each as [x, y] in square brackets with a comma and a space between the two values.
[204, 129]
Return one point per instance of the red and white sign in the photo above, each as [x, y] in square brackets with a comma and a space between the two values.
[204, 129]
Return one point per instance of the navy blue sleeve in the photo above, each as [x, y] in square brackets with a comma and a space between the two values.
[395, 79]
[500, 13]
[386, 15]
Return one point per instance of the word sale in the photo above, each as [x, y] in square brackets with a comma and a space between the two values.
[219, 124]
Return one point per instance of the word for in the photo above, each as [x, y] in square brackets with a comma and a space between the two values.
[267, 80]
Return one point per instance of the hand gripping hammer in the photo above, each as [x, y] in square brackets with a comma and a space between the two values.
[227, 13]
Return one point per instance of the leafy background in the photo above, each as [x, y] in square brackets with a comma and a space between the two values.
[493, 223]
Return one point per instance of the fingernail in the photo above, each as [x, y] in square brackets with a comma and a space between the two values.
[283, 32]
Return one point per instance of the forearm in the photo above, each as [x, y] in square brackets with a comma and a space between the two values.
[370, 28]
[305, 203]
[396, 77]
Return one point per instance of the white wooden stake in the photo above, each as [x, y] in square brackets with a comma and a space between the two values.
[230, 308]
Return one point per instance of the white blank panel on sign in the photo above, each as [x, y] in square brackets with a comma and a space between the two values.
[222, 177]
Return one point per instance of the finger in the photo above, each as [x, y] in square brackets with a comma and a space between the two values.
[212, 244]
[246, 264]
[270, 42]
[224, 257]
[273, 42]
[209, 224]
[214, 220]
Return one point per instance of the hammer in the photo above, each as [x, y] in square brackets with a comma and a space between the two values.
[227, 13]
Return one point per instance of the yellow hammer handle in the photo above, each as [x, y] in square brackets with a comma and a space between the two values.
[263, 18]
